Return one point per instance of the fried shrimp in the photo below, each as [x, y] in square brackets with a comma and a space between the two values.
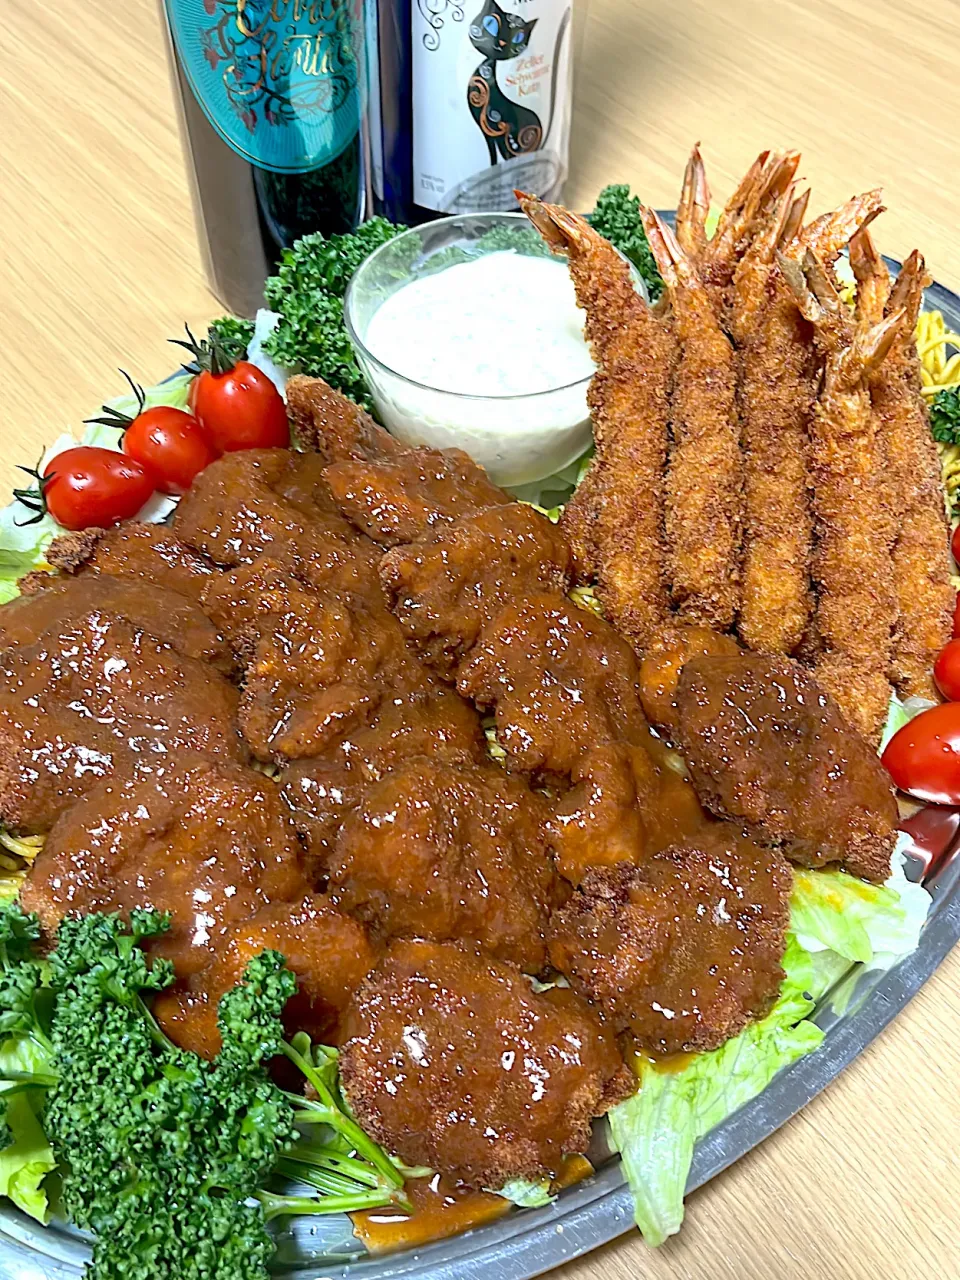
[777, 392]
[921, 562]
[616, 525]
[758, 194]
[852, 568]
[703, 474]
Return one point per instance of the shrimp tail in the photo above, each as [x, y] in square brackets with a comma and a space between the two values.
[828, 234]
[872, 276]
[694, 206]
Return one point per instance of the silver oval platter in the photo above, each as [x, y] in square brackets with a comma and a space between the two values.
[528, 1242]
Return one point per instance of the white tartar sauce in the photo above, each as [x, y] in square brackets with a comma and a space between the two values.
[504, 324]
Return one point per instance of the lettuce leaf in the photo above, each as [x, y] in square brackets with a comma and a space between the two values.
[28, 1158]
[869, 924]
[656, 1130]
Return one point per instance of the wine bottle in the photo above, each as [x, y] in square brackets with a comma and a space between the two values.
[471, 100]
[271, 112]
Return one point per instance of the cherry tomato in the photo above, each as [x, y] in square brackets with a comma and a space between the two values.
[240, 409]
[923, 757]
[171, 444]
[89, 486]
[956, 618]
[955, 544]
[946, 670]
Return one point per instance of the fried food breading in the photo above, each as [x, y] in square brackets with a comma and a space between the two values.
[166, 615]
[616, 520]
[450, 851]
[412, 495]
[663, 661]
[206, 840]
[778, 389]
[258, 500]
[333, 425]
[767, 746]
[704, 472]
[444, 589]
[856, 608]
[329, 953]
[149, 552]
[452, 1061]
[95, 698]
[921, 559]
[683, 951]
[429, 721]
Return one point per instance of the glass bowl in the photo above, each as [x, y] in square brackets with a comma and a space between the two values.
[518, 439]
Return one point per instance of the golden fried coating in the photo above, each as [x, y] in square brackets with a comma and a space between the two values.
[149, 552]
[207, 841]
[444, 589]
[450, 851]
[453, 1061]
[704, 474]
[779, 381]
[617, 525]
[683, 951]
[768, 747]
[333, 425]
[663, 661]
[412, 495]
[329, 953]
[921, 559]
[853, 571]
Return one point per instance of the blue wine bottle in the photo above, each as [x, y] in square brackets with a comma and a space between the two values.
[270, 102]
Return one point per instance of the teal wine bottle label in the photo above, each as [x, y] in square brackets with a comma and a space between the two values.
[277, 79]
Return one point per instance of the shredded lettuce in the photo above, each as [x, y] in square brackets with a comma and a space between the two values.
[870, 924]
[836, 921]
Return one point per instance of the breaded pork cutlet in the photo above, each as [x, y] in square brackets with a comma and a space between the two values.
[412, 494]
[148, 552]
[334, 426]
[206, 840]
[259, 500]
[95, 698]
[329, 953]
[322, 789]
[683, 951]
[452, 1061]
[166, 615]
[447, 852]
[443, 589]
[767, 746]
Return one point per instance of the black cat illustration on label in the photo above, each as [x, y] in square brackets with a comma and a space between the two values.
[511, 125]
[509, 128]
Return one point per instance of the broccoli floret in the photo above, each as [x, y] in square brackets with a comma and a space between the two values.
[308, 292]
[617, 217]
[232, 335]
[945, 417]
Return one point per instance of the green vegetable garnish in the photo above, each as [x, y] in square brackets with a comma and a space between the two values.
[308, 292]
[171, 1160]
[945, 417]
[232, 336]
[617, 217]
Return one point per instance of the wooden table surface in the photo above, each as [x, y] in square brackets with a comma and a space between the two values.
[99, 266]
